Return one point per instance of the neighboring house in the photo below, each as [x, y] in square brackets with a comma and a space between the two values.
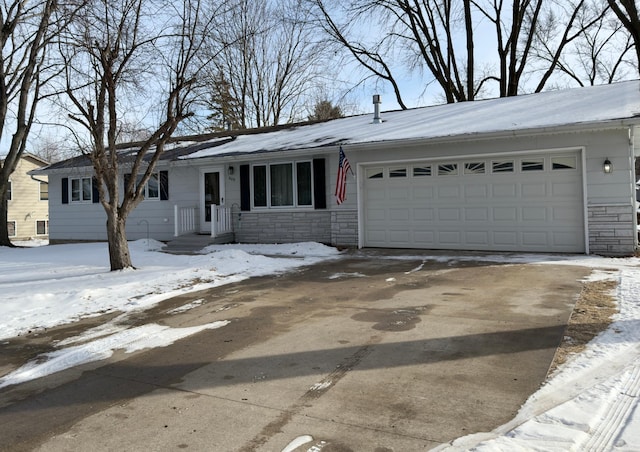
[547, 172]
[28, 200]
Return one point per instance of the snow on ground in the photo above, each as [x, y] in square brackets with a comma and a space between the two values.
[591, 402]
[46, 286]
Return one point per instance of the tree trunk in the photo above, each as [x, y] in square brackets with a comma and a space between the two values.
[4, 232]
[119, 256]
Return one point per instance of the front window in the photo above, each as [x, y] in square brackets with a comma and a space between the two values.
[282, 185]
[151, 188]
[81, 189]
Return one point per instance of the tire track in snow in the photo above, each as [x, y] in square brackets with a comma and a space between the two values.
[616, 414]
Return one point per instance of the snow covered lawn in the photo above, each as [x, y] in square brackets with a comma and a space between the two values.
[591, 403]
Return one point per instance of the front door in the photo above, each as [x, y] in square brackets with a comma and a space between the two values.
[211, 193]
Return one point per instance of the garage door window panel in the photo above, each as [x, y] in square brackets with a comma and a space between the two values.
[421, 171]
[474, 168]
[530, 165]
[505, 166]
[447, 169]
[563, 163]
[375, 173]
[397, 172]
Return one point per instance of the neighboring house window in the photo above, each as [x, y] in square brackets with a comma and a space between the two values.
[11, 226]
[282, 185]
[9, 192]
[44, 191]
[42, 227]
[81, 189]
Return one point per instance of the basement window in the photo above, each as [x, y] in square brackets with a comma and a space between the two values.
[42, 227]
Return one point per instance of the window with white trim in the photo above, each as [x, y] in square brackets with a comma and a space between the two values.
[282, 184]
[44, 191]
[504, 166]
[447, 169]
[81, 189]
[421, 171]
[12, 228]
[375, 173]
[152, 187]
[42, 227]
[397, 172]
[532, 164]
[563, 163]
[474, 168]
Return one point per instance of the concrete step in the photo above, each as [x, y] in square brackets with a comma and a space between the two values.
[193, 243]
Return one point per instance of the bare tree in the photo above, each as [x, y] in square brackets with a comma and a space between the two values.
[627, 13]
[438, 37]
[602, 54]
[107, 52]
[26, 31]
[264, 59]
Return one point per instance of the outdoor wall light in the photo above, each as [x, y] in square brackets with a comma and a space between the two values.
[607, 166]
[231, 171]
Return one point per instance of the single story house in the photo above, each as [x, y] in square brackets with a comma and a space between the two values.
[546, 172]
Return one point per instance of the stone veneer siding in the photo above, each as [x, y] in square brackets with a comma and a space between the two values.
[338, 228]
[283, 227]
[612, 229]
[344, 228]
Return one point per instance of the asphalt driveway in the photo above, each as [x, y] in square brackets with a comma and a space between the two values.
[374, 352]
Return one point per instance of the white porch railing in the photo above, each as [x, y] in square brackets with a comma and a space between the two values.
[184, 220]
[220, 220]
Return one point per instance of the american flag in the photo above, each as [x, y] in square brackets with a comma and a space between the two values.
[341, 182]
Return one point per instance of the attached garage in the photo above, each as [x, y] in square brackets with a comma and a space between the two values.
[516, 202]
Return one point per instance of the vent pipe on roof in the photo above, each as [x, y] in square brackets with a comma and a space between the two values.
[376, 109]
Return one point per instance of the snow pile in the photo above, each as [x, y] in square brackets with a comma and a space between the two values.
[591, 403]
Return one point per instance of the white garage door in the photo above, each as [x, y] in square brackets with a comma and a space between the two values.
[519, 203]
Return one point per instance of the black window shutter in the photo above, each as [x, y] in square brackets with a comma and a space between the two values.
[65, 190]
[164, 185]
[319, 184]
[126, 177]
[95, 195]
[245, 188]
